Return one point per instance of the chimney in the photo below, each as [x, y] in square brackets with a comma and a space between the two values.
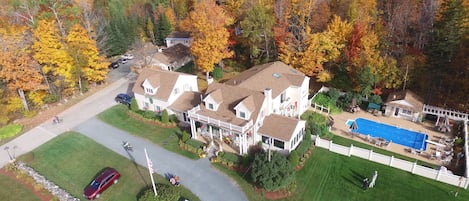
[268, 96]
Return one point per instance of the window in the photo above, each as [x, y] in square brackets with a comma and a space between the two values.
[210, 106]
[282, 97]
[149, 90]
[176, 90]
[279, 144]
[242, 115]
[158, 108]
[262, 113]
[407, 112]
[265, 139]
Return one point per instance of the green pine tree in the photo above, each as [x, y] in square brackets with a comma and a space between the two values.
[164, 28]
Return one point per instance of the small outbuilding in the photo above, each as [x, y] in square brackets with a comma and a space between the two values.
[404, 104]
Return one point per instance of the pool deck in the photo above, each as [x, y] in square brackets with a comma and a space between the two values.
[340, 128]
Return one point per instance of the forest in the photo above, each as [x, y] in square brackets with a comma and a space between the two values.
[53, 49]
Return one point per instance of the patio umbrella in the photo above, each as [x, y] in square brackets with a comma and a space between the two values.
[353, 126]
[445, 127]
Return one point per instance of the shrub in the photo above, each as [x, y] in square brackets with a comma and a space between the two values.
[376, 99]
[185, 136]
[273, 175]
[293, 158]
[194, 144]
[134, 105]
[147, 114]
[217, 73]
[51, 98]
[164, 116]
[10, 130]
[231, 157]
[165, 193]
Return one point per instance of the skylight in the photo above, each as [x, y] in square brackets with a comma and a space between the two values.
[276, 75]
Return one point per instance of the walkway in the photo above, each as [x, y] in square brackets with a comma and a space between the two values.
[198, 176]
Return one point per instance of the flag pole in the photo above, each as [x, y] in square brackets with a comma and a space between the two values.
[150, 170]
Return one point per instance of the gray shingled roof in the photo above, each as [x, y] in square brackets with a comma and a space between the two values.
[164, 80]
[279, 127]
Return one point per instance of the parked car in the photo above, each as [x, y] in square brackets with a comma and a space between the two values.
[127, 56]
[123, 99]
[114, 65]
[122, 61]
[99, 184]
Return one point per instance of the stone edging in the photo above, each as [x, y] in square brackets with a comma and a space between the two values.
[55, 190]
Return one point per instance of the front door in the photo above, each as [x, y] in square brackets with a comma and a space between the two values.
[184, 115]
[396, 111]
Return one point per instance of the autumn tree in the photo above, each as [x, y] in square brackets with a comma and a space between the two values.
[88, 63]
[18, 71]
[56, 62]
[207, 25]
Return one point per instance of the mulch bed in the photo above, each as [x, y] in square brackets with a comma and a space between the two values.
[41, 194]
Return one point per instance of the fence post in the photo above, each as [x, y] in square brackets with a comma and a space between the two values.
[467, 183]
[413, 167]
[438, 175]
[391, 160]
[370, 155]
[330, 145]
[317, 141]
[350, 150]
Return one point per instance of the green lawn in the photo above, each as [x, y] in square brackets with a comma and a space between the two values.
[71, 160]
[167, 138]
[347, 142]
[10, 189]
[330, 176]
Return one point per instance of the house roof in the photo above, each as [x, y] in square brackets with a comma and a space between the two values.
[186, 101]
[275, 75]
[178, 34]
[163, 80]
[173, 54]
[405, 99]
[232, 96]
[279, 127]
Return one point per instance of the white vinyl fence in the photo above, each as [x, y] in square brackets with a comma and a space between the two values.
[439, 175]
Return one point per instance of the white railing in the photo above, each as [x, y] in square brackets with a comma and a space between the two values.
[321, 108]
[439, 175]
[428, 109]
[466, 149]
[241, 129]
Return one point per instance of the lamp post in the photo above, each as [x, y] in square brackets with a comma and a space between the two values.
[7, 150]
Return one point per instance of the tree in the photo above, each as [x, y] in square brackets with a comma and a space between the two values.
[274, 174]
[88, 63]
[164, 116]
[56, 63]
[18, 71]
[164, 28]
[258, 33]
[294, 158]
[207, 25]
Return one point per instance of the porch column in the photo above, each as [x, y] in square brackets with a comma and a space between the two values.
[245, 147]
[240, 144]
[193, 129]
[210, 131]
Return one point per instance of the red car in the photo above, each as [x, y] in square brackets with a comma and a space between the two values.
[107, 177]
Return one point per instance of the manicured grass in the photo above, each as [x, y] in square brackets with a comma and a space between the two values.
[347, 142]
[11, 189]
[167, 138]
[71, 160]
[330, 176]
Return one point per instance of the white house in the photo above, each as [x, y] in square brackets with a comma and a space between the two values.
[177, 37]
[171, 58]
[261, 104]
[157, 90]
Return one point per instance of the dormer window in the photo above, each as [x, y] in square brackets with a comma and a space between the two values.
[149, 90]
[176, 90]
[210, 106]
[242, 115]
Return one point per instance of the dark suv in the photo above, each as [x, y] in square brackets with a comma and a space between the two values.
[114, 65]
[106, 178]
[123, 99]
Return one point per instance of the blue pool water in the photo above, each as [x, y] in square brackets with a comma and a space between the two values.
[396, 135]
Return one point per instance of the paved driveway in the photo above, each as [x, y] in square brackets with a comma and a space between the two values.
[197, 175]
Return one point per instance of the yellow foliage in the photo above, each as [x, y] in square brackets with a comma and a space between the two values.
[86, 54]
[171, 16]
[324, 76]
[37, 97]
[14, 104]
[207, 25]
[50, 52]
[339, 30]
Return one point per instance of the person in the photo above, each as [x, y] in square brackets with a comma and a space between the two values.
[365, 183]
[126, 145]
[56, 120]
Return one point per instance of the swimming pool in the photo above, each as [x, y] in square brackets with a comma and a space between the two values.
[396, 135]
